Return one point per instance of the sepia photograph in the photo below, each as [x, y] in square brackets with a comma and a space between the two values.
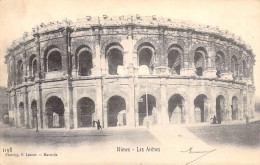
[129, 82]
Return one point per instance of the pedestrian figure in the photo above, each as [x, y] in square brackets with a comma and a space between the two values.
[6, 119]
[247, 119]
[98, 124]
[94, 123]
[214, 120]
[219, 120]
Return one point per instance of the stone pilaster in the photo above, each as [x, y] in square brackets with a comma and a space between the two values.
[212, 103]
[73, 62]
[104, 105]
[228, 106]
[73, 67]
[67, 120]
[69, 100]
[69, 88]
[25, 66]
[162, 52]
[31, 119]
[244, 103]
[99, 102]
[248, 100]
[9, 80]
[240, 107]
[253, 103]
[14, 71]
[207, 110]
[135, 63]
[11, 110]
[240, 65]
[252, 73]
[40, 112]
[210, 71]
[42, 64]
[136, 89]
[188, 68]
[16, 117]
[131, 113]
[190, 102]
[96, 70]
[75, 115]
[226, 73]
[27, 110]
[187, 110]
[128, 45]
[164, 104]
[103, 64]
[39, 59]
[190, 53]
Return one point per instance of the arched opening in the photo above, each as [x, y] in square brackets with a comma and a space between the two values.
[86, 110]
[116, 111]
[19, 72]
[114, 57]
[85, 63]
[54, 109]
[199, 60]
[54, 61]
[34, 112]
[13, 75]
[200, 108]
[147, 115]
[234, 66]
[145, 58]
[245, 110]
[10, 75]
[174, 60]
[176, 109]
[21, 111]
[33, 65]
[220, 108]
[245, 73]
[219, 61]
[234, 108]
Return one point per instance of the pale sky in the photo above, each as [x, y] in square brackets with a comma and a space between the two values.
[240, 17]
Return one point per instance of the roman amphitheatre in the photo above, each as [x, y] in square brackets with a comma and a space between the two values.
[128, 71]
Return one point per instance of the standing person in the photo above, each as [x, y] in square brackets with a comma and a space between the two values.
[214, 120]
[219, 120]
[98, 124]
[94, 123]
[247, 119]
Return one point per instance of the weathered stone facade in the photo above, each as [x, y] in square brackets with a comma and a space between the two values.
[107, 68]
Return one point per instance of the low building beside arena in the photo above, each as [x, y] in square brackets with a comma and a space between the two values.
[4, 117]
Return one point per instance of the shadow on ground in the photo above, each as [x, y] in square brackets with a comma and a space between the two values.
[238, 134]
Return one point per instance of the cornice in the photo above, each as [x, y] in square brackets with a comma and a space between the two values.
[92, 23]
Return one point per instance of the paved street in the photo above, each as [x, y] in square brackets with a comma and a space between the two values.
[78, 145]
[63, 137]
[234, 134]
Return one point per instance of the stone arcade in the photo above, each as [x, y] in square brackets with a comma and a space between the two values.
[70, 74]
